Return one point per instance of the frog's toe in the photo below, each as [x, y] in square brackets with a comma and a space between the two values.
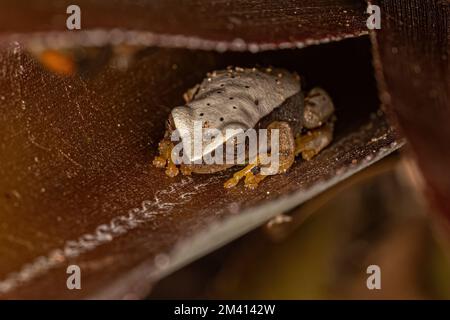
[231, 183]
[246, 172]
[185, 170]
[159, 162]
[309, 154]
[310, 144]
[252, 181]
[172, 170]
[162, 162]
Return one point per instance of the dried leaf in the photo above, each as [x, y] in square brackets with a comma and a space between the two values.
[411, 60]
[77, 183]
[201, 24]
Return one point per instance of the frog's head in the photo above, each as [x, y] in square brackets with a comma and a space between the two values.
[202, 131]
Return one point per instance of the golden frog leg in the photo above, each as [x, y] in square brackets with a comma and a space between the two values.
[311, 143]
[165, 158]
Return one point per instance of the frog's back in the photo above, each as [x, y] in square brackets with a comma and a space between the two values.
[239, 95]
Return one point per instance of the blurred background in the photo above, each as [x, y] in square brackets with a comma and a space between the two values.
[377, 217]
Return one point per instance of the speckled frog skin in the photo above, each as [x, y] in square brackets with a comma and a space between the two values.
[243, 98]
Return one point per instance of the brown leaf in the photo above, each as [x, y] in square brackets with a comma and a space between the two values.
[411, 60]
[236, 25]
[77, 183]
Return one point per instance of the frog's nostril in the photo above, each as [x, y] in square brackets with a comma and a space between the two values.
[231, 98]
[221, 119]
[234, 107]
[201, 114]
[256, 102]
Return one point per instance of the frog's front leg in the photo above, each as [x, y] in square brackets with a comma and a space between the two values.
[190, 93]
[318, 116]
[164, 160]
[286, 156]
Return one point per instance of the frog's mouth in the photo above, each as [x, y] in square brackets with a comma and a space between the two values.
[198, 140]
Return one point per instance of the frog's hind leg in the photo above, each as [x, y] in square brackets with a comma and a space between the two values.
[318, 116]
[318, 108]
[286, 156]
[246, 172]
[311, 143]
[164, 160]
